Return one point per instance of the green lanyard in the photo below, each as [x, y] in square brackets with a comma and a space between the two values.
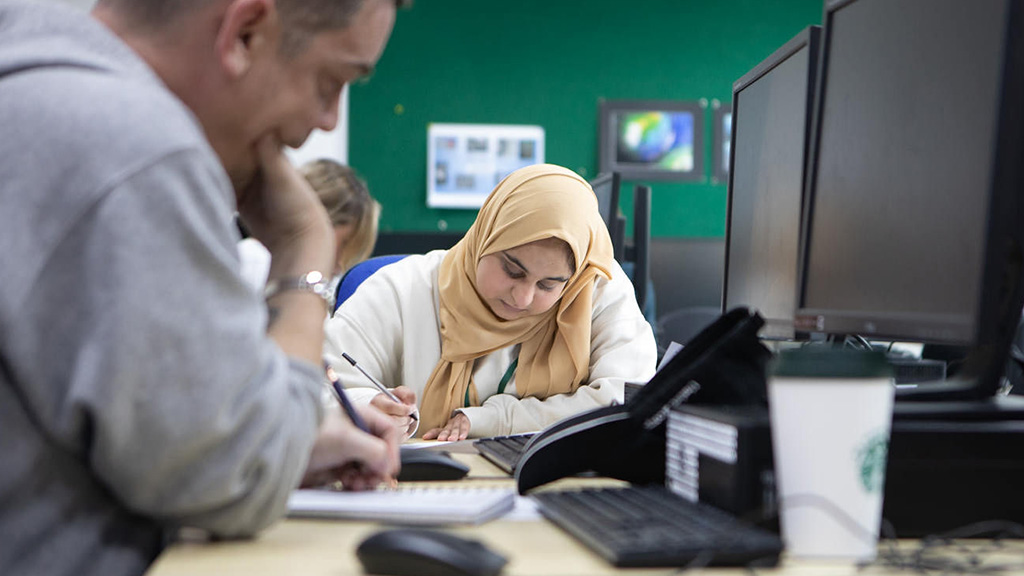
[504, 380]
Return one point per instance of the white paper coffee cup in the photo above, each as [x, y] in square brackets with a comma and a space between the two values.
[831, 415]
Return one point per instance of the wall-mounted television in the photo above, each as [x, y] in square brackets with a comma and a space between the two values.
[652, 139]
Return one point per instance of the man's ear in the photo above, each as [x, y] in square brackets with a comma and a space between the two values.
[244, 32]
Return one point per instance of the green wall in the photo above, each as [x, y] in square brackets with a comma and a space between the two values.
[549, 62]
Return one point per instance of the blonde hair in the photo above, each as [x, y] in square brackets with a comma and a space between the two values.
[347, 200]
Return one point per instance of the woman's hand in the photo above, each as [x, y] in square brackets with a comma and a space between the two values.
[457, 428]
[401, 413]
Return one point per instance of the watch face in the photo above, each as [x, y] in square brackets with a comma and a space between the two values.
[314, 282]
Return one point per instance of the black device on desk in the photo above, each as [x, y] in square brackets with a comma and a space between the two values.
[724, 364]
[427, 465]
[419, 552]
[503, 451]
[650, 526]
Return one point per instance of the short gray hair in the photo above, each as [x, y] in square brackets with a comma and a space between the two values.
[300, 18]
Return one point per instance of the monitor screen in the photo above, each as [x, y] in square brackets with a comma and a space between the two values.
[771, 111]
[606, 188]
[652, 140]
[905, 139]
[913, 229]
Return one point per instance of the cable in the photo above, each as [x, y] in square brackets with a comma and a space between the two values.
[942, 554]
[946, 553]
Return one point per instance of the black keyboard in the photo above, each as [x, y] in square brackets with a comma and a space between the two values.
[503, 451]
[650, 526]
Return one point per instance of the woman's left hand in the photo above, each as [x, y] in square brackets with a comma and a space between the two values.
[457, 428]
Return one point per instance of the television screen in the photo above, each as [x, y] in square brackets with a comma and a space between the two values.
[652, 140]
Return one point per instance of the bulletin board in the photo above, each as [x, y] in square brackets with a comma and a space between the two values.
[466, 161]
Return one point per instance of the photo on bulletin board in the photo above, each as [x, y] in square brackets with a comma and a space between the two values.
[466, 161]
[652, 139]
[721, 143]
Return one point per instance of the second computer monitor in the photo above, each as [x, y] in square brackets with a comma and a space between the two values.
[914, 208]
[902, 168]
[771, 120]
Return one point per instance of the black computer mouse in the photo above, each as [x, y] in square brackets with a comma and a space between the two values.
[419, 552]
[426, 465]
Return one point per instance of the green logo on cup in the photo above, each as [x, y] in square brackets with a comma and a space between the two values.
[871, 460]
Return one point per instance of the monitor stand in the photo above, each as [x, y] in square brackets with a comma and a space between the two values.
[987, 409]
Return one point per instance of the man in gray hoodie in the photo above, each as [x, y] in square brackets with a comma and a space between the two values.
[143, 385]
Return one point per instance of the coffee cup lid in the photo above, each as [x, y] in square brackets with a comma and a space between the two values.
[831, 362]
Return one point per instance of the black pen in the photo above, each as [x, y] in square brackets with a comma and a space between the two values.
[339, 391]
[415, 415]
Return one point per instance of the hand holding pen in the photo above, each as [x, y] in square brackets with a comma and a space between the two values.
[360, 450]
[402, 405]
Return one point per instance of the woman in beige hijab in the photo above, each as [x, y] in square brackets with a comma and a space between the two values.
[526, 320]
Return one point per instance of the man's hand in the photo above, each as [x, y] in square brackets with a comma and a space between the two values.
[282, 211]
[457, 428]
[400, 413]
[343, 452]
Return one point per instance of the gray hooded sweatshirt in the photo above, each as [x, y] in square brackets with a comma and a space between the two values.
[138, 389]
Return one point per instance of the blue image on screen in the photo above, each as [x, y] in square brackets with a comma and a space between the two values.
[656, 139]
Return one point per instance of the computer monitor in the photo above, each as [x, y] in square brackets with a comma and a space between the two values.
[771, 120]
[606, 187]
[641, 243]
[914, 212]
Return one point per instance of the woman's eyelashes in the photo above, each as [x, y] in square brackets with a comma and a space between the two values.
[513, 273]
[519, 275]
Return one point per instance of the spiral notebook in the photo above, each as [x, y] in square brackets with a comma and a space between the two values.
[421, 505]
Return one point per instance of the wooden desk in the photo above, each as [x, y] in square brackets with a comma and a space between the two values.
[534, 547]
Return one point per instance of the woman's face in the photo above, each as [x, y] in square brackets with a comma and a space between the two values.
[524, 281]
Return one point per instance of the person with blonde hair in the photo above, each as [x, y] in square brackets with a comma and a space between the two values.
[528, 319]
[352, 210]
[353, 213]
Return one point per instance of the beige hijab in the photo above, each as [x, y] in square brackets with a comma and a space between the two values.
[532, 203]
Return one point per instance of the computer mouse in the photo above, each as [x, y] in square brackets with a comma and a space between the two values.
[427, 465]
[419, 552]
